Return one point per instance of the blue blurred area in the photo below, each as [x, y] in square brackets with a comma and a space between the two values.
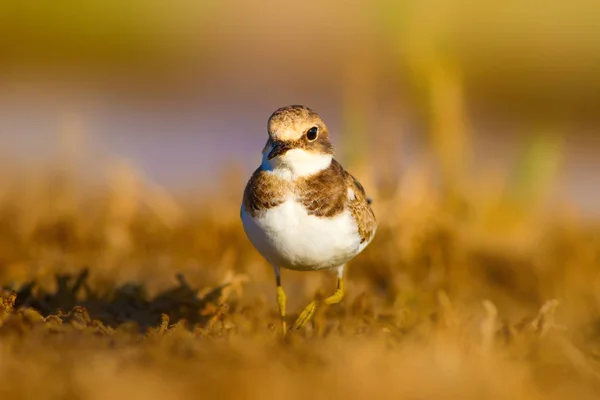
[183, 91]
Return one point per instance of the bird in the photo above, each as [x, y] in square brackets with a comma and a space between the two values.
[301, 209]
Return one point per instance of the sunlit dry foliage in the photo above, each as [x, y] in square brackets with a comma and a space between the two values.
[476, 286]
[123, 291]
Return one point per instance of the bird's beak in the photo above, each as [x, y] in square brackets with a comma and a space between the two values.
[278, 149]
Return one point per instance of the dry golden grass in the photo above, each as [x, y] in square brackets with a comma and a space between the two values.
[122, 292]
[476, 289]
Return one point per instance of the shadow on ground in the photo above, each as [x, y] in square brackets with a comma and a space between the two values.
[75, 301]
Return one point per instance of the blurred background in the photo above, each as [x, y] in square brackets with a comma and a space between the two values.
[183, 91]
[128, 130]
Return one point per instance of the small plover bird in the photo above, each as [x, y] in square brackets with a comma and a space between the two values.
[301, 210]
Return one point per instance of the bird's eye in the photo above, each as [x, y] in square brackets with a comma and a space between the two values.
[311, 134]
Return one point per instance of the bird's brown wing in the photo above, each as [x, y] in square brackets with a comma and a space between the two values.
[263, 191]
[326, 194]
[360, 209]
[323, 194]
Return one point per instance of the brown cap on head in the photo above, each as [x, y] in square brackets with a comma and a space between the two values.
[297, 126]
[289, 122]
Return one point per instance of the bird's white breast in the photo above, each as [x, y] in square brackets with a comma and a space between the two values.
[287, 236]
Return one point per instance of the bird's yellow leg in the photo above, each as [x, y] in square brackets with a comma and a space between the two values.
[309, 311]
[281, 300]
[338, 295]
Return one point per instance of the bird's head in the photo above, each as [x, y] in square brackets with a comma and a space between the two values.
[298, 142]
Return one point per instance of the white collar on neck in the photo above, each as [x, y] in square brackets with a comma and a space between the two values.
[297, 163]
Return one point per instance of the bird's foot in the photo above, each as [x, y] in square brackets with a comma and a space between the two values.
[306, 315]
[310, 310]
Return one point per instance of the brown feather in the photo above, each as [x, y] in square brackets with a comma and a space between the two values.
[263, 191]
[323, 195]
[360, 209]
